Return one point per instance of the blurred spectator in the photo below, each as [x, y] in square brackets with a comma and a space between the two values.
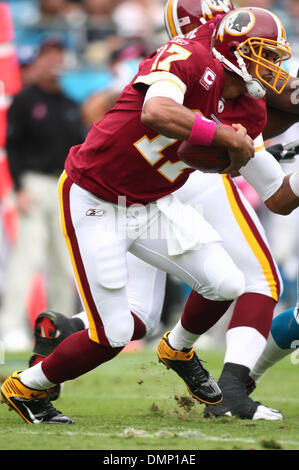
[62, 18]
[35, 21]
[293, 8]
[291, 18]
[58, 16]
[123, 66]
[99, 10]
[138, 24]
[99, 28]
[59, 10]
[42, 125]
[141, 19]
[26, 56]
[138, 18]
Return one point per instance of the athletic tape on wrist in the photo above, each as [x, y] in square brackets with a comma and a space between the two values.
[203, 131]
[294, 183]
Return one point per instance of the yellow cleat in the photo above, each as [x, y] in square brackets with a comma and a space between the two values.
[188, 366]
[32, 405]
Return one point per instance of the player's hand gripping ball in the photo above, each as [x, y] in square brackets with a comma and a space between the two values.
[212, 159]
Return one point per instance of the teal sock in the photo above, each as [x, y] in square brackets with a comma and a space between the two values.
[282, 340]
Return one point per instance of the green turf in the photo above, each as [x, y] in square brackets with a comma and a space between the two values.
[133, 402]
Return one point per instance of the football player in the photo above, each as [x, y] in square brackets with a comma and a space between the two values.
[194, 14]
[183, 16]
[130, 158]
[251, 319]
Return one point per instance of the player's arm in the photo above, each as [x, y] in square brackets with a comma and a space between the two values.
[279, 191]
[166, 116]
[286, 198]
[278, 121]
[164, 112]
[283, 109]
[288, 100]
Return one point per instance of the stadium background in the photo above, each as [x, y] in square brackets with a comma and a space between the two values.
[104, 41]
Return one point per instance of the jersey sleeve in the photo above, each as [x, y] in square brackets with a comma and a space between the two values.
[165, 89]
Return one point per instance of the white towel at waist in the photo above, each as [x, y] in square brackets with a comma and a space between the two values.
[186, 227]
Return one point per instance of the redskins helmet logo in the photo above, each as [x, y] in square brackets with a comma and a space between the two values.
[239, 23]
[218, 5]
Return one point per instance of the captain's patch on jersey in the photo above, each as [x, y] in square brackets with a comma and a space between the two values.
[208, 78]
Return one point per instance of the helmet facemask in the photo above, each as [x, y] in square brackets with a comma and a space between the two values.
[253, 50]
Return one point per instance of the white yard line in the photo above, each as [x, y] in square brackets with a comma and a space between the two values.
[141, 433]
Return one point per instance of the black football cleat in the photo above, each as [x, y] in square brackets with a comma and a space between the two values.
[50, 329]
[34, 406]
[237, 403]
[187, 365]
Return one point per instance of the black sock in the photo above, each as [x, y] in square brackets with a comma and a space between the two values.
[242, 372]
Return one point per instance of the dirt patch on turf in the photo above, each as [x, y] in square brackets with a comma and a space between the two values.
[185, 402]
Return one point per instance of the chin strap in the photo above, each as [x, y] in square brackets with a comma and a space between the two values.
[253, 85]
[255, 88]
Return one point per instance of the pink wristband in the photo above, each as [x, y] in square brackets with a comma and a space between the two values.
[203, 131]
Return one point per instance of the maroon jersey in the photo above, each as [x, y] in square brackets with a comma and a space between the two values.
[123, 157]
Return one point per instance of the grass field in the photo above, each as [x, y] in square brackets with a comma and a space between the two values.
[135, 403]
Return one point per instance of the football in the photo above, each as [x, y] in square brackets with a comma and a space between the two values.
[210, 159]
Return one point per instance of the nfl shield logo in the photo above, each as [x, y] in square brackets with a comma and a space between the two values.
[220, 106]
